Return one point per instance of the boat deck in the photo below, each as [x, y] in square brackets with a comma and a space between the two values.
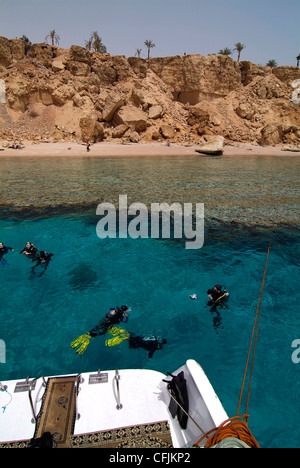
[112, 400]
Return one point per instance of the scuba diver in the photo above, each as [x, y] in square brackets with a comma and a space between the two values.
[42, 259]
[217, 299]
[30, 251]
[149, 343]
[114, 317]
[3, 250]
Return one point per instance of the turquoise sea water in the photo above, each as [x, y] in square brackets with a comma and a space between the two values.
[52, 202]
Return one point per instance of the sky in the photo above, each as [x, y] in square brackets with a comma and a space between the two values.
[269, 29]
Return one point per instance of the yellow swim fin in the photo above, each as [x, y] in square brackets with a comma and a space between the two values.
[83, 341]
[115, 331]
[122, 335]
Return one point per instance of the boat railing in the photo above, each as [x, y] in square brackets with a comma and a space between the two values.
[77, 382]
[31, 386]
[117, 380]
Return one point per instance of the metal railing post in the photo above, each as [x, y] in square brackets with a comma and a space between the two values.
[117, 378]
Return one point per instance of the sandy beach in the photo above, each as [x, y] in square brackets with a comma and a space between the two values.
[133, 149]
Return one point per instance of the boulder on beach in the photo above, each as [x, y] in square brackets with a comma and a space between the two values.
[214, 146]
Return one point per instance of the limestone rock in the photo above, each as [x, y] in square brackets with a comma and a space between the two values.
[134, 137]
[197, 115]
[111, 69]
[79, 54]
[5, 52]
[291, 135]
[132, 117]
[43, 53]
[214, 146]
[11, 50]
[112, 104]
[78, 61]
[62, 95]
[152, 134]
[17, 47]
[58, 64]
[167, 132]
[155, 112]
[138, 97]
[199, 118]
[91, 130]
[119, 131]
[194, 77]
[271, 135]
[245, 111]
[78, 68]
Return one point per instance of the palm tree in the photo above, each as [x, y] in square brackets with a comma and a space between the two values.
[138, 53]
[225, 51]
[53, 36]
[97, 43]
[272, 63]
[298, 60]
[88, 44]
[239, 47]
[149, 44]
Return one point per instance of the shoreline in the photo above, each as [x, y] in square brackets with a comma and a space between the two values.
[71, 149]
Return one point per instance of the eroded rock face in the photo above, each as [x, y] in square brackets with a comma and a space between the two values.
[194, 78]
[91, 130]
[56, 94]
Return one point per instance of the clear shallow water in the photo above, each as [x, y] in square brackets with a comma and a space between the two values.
[87, 276]
[252, 190]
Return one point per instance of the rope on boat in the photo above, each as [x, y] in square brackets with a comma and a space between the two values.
[233, 427]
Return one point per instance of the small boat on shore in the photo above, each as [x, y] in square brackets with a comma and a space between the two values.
[210, 152]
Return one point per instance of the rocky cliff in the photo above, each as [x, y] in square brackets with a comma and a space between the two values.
[53, 94]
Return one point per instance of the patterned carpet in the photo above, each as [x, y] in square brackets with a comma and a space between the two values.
[155, 435]
[57, 414]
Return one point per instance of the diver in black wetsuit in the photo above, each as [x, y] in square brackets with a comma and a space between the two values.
[4, 249]
[216, 296]
[150, 344]
[30, 251]
[114, 317]
[42, 259]
[217, 299]
[107, 324]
